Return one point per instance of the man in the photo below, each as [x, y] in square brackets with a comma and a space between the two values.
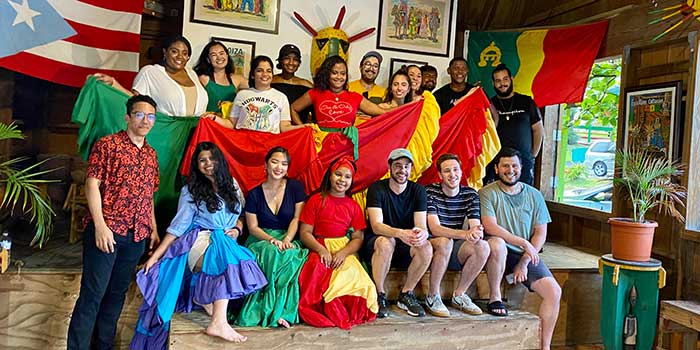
[516, 212]
[429, 76]
[122, 176]
[369, 70]
[396, 209]
[518, 123]
[458, 240]
[448, 95]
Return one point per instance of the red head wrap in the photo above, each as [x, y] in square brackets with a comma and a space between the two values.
[346, 162]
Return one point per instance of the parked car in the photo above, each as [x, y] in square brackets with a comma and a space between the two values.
[600, 158]
[599, 198]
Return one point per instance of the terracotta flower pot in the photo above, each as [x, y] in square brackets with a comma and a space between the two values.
[631, 240]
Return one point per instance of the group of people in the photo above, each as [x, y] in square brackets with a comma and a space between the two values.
[301, 260]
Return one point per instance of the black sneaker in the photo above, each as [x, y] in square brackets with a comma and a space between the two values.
[383, 306]
[407, 301]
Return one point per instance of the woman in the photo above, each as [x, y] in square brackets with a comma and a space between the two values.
[260, 107]
[174, 86]
[272, 214]
[334, 106]
[335, 289]
[416, 80]
[292, 86]
[216, 73]
[400, 91]
[202, 238]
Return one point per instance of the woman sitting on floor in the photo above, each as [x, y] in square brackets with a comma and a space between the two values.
[216, 73]
[260, 107]
[272, 214]
[335, 290]
[199, 260]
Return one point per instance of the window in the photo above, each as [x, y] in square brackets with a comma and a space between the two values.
[585, 154]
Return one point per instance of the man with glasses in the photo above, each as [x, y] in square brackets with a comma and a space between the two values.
[369, 70]
[122, 176]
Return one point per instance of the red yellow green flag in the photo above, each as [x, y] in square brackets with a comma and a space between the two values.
[551, 65]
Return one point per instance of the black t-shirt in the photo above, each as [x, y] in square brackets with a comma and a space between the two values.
[446, 97]
[293, 92]
[516, 115]
[397, 209]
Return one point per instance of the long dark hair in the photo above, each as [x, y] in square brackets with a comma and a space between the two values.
[326, 182]
[323, 75]
[254, 65]
[390, 94]
[202, 189]
[205, 67]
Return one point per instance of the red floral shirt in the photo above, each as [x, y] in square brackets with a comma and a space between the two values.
[128, 178]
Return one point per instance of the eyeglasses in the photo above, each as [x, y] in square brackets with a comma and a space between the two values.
[370, 65]
[140, 115]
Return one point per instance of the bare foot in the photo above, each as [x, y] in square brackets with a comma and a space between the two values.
[208, 308]
[283, 323]
[224, 331]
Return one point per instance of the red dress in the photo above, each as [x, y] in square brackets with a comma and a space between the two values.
[335, 110]
[341, 297]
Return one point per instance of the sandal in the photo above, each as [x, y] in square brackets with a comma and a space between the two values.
[495, 306]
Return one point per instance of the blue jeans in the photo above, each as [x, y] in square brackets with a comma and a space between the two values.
[247, 2]
[106, 278]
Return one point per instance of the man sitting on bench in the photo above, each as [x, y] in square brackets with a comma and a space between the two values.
[457, 238]
[516, 212]
[396, 210]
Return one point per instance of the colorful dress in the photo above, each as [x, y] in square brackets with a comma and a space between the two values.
[280, 298]
[228, 271]
[341, 297]
[336, 113]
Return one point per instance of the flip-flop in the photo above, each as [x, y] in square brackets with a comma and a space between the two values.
[496, 305]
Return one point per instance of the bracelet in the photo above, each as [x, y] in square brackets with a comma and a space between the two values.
[237, 229]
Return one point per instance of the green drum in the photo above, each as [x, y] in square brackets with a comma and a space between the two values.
[619, 276]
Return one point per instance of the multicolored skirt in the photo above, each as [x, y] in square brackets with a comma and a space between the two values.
[341, 297]
[228, 272]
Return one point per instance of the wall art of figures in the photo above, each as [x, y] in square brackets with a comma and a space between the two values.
[417, 26]
[255, 15]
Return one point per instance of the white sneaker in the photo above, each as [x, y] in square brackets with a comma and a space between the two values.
[465, 303]
[436, 307]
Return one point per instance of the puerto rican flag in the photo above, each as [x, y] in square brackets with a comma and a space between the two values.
[65, 40]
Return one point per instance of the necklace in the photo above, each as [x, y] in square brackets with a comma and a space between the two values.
[510, 107]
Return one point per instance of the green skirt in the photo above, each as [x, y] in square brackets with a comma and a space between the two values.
[280, 298]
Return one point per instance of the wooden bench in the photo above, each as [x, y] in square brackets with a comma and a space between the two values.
[679, 316]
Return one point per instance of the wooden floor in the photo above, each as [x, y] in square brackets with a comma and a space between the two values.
[399, 331]
[35, 307]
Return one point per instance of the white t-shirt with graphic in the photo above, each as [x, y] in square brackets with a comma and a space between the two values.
[260, 110]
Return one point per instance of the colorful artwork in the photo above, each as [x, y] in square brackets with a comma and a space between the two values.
[650, 118]
[397, 63]
[241, 52]
[418, 26]
[255, 15]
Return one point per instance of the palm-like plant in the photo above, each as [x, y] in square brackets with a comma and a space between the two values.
[649, 182]
[22, 185]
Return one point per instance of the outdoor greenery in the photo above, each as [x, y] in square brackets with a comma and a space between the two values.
[576, 172]
[600, 102]
[21, 187]
[650, 181]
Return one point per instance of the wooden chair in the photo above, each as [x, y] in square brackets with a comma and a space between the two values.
[76, 202]
[679, 316]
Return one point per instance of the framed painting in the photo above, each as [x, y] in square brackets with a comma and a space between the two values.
[416, 26]
[241, 53]
[396, 64]
[651, 114]
[256, 15]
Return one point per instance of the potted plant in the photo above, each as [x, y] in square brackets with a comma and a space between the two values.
[19, 188]
[648, 181]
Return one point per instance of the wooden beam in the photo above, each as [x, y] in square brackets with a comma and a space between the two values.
[663, 69]
[605, 15]
[558, 11]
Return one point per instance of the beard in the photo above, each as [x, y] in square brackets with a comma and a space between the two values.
[507, 93]
[504, 180]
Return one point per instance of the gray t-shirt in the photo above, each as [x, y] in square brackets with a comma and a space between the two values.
[519, 213]
[260, 110]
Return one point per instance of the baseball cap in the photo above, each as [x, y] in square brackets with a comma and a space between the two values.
[288, 49]
[400, 153]
[374, 54]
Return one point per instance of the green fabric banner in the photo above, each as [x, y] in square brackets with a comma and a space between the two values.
[100, 111]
